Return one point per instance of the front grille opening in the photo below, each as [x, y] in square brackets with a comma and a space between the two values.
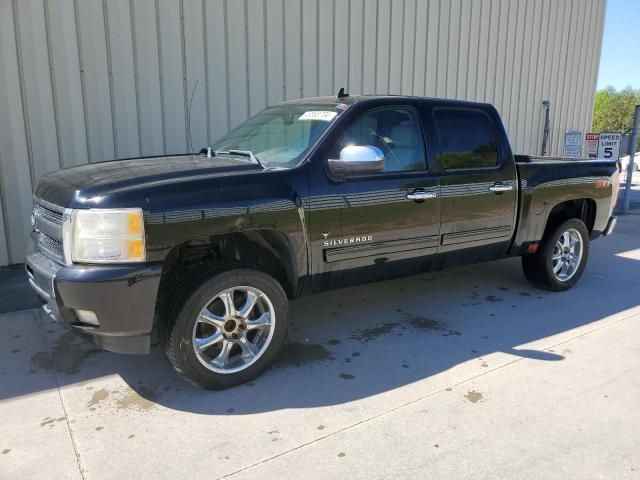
[50, 247]
[48, 230]
[48, 214]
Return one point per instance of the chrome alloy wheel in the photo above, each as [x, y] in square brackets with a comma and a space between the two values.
[233, 329]
[567, 254]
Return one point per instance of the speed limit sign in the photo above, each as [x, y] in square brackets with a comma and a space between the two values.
[609, 145]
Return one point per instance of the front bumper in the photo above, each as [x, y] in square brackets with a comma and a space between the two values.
[123, 298]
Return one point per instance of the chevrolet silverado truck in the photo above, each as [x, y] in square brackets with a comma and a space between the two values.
[307, 195]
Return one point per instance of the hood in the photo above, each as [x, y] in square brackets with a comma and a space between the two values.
[78, 186]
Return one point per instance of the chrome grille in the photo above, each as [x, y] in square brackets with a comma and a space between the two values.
[50, 247]
[48, 215]
[47, 224]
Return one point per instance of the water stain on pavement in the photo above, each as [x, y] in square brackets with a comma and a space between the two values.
[68, 353]
[298, 354]
[97, 397]
[492, 299]
[370, 334]
[416, 321]
[473, 396]
[141, 399]
[41, 362]
[425, 324]
[347, 376]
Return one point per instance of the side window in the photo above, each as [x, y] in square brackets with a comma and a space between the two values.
[467, 139]
[393, 130]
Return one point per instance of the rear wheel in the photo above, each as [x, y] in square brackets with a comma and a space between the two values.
[229, 330]
[561, 257]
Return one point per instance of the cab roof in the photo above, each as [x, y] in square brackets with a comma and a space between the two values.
[352, 99]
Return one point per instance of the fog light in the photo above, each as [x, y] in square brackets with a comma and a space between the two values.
[87, 316]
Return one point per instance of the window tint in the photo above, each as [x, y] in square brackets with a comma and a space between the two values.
[395, 131]
[467, 139]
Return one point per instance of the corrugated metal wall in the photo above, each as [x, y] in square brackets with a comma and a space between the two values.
[89, 80]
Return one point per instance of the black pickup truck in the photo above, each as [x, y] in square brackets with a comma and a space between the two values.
[305, 196]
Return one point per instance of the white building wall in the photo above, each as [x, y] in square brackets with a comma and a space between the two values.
[91, 80]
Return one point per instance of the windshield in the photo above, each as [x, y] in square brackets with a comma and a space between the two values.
[281, 135]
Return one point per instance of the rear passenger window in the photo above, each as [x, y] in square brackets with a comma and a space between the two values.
[467, 139]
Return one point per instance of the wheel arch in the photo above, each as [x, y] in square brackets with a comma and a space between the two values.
[189, 264]
[584, 209]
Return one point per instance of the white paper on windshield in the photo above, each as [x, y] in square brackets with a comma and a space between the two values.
[321, 115]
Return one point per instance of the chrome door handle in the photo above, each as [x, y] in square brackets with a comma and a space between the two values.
[418, 195]
[499, 187]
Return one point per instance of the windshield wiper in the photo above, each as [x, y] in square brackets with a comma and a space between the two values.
[241, 153]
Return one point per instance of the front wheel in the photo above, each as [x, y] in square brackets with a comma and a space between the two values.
[561, 257]
[229, 330]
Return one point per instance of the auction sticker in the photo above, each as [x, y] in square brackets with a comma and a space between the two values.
[320, 115]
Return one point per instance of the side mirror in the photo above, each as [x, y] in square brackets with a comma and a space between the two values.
[357, 160]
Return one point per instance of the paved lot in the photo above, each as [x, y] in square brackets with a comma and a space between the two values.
[465, 373]
[634, 198]
[15, 293]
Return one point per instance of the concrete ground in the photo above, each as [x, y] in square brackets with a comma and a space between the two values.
[15, 292]
[465, 373]
[634, 192]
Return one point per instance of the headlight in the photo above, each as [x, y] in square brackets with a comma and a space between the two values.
[107, 236]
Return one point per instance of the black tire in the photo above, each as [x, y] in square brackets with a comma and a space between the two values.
[538, 267]
[180, 350]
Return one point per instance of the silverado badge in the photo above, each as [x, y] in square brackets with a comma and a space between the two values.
[346, 241]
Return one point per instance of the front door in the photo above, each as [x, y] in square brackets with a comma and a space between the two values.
[380, 225]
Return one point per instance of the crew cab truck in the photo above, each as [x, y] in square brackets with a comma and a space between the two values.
[305, 196]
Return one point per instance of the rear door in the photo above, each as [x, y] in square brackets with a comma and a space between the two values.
[380, 225]
[478, 181]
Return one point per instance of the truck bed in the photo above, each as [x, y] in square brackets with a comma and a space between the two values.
[548, 181]
[528, 159]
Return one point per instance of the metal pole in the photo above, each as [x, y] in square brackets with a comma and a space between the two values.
[545, 136]
[632, 153]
